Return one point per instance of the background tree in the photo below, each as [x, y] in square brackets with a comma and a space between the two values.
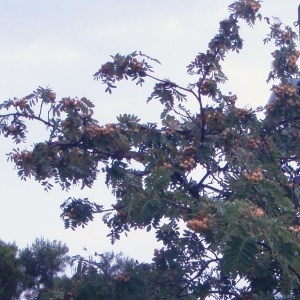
[113, 276]
[219, 184]
[97, 276]
[11, 275]
[43, 261]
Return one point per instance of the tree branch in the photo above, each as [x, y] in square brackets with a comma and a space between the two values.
[20, 115]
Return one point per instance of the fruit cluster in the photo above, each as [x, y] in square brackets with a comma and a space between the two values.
[52, 96]
[295, 228]
[255, 176]
[122, 215]
[253, 5]
[242, 113]
[23, 156]
[290, 185]
[107, 69]
[214, 119]
[292, 59]
[232, 98]
[135, 65]
[21, 103]
[286, 36]
[282, 90]
[159, 253]
[270, 106]
[258, 212]
[94, 130]
[296, 133]
[169, 131]
[71, 214]
[10, 130]
[292, 102]
[253, 143]
[68, 104]
[189, 149]
[225, 133]
[207, 87]
[71, 295]
[187, 164]
[167, 165]
[198, 225]
[121, 277]
[285, 89]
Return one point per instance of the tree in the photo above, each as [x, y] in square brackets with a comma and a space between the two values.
[43, 261]
[99, 277]
[113, 276]
[11, 275]
[219, 185]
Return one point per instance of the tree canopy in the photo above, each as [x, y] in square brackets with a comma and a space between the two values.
[43, 261]
[32, 270]
[11, 275]
[219, 185]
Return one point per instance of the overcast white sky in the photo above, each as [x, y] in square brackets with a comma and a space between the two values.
[61, 43]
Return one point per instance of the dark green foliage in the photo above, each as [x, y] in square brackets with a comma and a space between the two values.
[43, 261]
[11, 275]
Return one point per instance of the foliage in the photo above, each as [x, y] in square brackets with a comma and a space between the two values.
[219, 185]
[99, 277]
[113, 276]
[42, 262]
[11, 275]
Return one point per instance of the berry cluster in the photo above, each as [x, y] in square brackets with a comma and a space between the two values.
[71, 296]
[255, 176]
[167, 165]
[286, 36]
[20, 103]
[285, 89]
[242, 113]
[214, 119]
[187, 164]
[94, 130]
[189, 149]
[258, 212]
[253, 143]
[292, 102]
[232, 98]
[10, 130]
[282, 90]
[224, 133]
[24, 156]
[296, 133]
[169, 131]
[121, 277]
[159, 255]
[71, 214]
[122, 215]
[253, 5]
[295, 228]
[135, 65]
[289, 185]
[68, 102]
[198, 225]
[292, 59]
[207, 87]
[52, 96]
[23, 102]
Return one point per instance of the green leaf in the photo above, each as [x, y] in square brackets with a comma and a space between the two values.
[239, 254]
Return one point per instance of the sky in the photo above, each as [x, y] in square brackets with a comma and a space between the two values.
[62, 43]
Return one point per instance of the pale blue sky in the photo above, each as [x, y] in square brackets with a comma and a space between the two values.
[61, 43]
